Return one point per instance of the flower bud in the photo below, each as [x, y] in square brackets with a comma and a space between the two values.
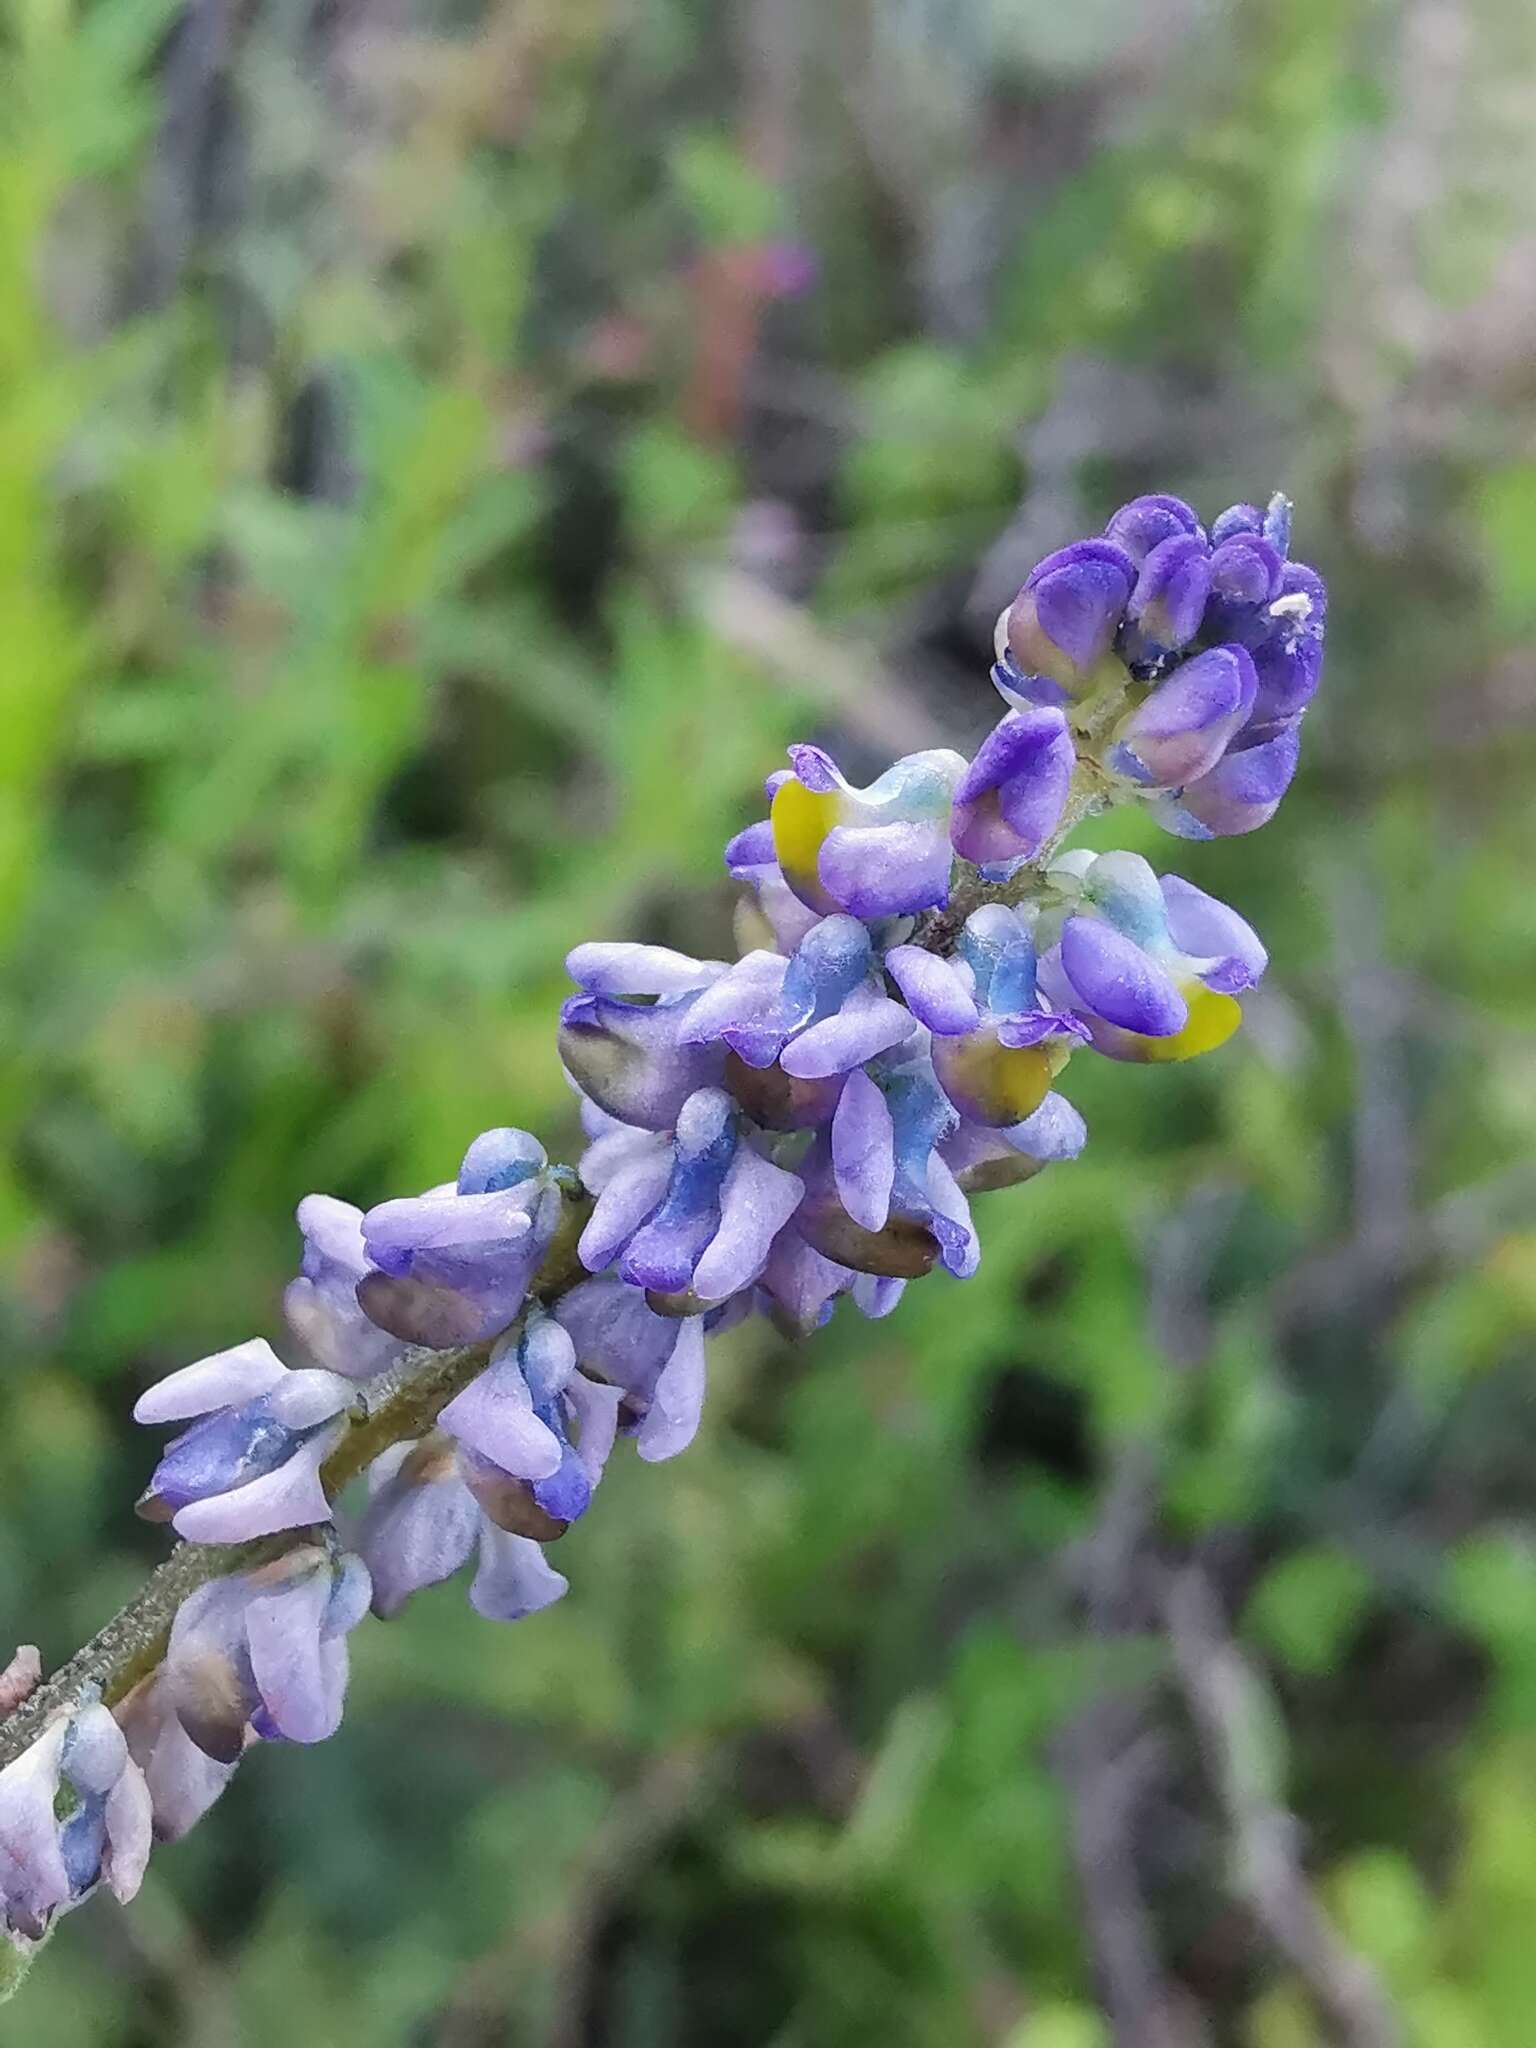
[1010, 800]
[1063, 622]
[250, 1465]
[1146, 523]
[1182, 729]
[878, 852]
[452, 1267]
[321, 1305]
[1169, 599]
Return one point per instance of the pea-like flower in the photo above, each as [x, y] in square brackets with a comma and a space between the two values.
[1146, 523]
[983, 1157]
[776, 914]
[879, 1197]
[531, 1416]
[1168, 603]
[181, 1780]
[1055, 640]
[621, 1038]
[878, 852]
[1153, 968]
[421, 1524]
[74, 1813]
[691, 1219]
[817, 1014]
[452, 1266]
[250, 1464]
[321, 1304]
[799, 1287]
[1010, 800]
[264, 1652]
[1181, 730]
[1286, 642]
[656, 1362]
[996, 1046]
[1243, 790]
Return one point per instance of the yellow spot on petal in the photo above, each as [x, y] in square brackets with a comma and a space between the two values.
[1212, 1020]
[997, 1084]
[801, 819]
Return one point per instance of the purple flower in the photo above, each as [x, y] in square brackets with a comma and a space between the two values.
[1168, 602]
[691, 1221]
[1062, 625]
[251, 1465]
[1243, 790]
[671, 1420]
[1118, 981]
[1236, 519]
[939, 995]
[1123, 960]
[880, 1198]
[998, 1069]
[982, 1157]
[452, 1266]
[1182, 729]
[655, 1361]
[181, 1780]
[74, 1813]
[266, 1649]
[530, 1416]
[878, 852]
[817, 1013]
[1286, 643]
[622, 1044]
[1146, 523]
[784, 920]
[620, 967]
[1210, 931]
[1010, 799]
[1245, 577]
[421, 1524]
[798, 1288]
[321, 1305]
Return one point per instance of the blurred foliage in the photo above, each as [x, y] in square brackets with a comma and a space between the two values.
[444, 454]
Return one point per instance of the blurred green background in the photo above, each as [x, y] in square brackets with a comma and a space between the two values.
[446, 450]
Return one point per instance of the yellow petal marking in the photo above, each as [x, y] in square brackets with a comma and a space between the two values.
[1212, 1020]
[1004, 1083]
[801, 819]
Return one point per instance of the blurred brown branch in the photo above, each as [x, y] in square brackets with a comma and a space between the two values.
[1224, 1700]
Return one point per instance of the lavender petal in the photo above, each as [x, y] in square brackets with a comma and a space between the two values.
[863, 1152]
[1116, 980]
[225, 1380]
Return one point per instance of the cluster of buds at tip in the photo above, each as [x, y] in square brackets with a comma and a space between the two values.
[1194, 654]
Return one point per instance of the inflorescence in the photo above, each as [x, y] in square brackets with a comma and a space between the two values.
[920, 964]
